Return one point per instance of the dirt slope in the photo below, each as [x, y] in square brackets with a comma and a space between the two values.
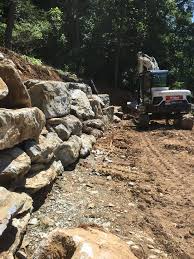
[139, 185]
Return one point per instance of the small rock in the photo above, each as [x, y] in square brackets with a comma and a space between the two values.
[116, 119]
[91, 206]
[111, 205]
[131, 184]
[48, 222]
[107, 160]
[109, 177]
[33, 221]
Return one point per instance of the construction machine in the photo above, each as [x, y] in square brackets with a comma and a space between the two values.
[155, 100]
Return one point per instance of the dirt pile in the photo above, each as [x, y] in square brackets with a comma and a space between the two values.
[31, 71]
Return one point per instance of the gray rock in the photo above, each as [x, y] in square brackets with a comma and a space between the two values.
[14, 164]
[34, 182]
[97, 105]
[69, 151]
[19, 125]
[65, 126]
[108, 114]
[62, 131]
[87, 143]
[106, 99]
[18, 96]
[74, 124]
[15, 212]
[52, 97]
[95, 123]
[116, 119]
[81, 107]
[83, 87]
[44, 151]
[91, 131]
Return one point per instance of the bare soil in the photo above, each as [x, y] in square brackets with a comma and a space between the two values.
[28, 70]
[137, 184]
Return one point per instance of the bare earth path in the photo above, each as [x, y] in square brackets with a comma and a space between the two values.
[138, 185]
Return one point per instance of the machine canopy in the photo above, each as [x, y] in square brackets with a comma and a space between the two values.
[159, 78]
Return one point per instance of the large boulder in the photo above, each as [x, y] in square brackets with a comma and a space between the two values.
[66, 126]
[14, 164]
[87, 143]
[52, 97]
[18, 96]
[40, 179]
[15, 210]
[83, 243]
[81, 107]
[3, 89]
[69, 151]
[83, 87]
[43, 151]
[19, 125]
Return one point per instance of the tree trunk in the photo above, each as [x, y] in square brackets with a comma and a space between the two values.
[10, 23]
[77, 35]
[117, 59]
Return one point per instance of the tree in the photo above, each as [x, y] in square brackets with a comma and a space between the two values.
[12, 4]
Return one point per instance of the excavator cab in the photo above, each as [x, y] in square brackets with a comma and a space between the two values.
[156, 101]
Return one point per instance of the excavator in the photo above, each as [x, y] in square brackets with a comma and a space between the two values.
[155, 100]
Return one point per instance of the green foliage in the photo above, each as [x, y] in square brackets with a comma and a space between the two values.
[33, 60]
[101, 38]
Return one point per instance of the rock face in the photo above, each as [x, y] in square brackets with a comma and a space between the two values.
[36, 181]
[18, 96]
[81, 107]
[87, 143]
[19, 125]
[15, 212]
[68, 152]
[3, 89]
[14, 164]
[44, 151]
[52, 98]
[83, 243]
[66, 126]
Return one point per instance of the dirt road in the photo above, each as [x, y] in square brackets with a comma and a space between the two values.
[138, 185]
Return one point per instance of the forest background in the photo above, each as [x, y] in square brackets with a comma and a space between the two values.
[100, 39]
